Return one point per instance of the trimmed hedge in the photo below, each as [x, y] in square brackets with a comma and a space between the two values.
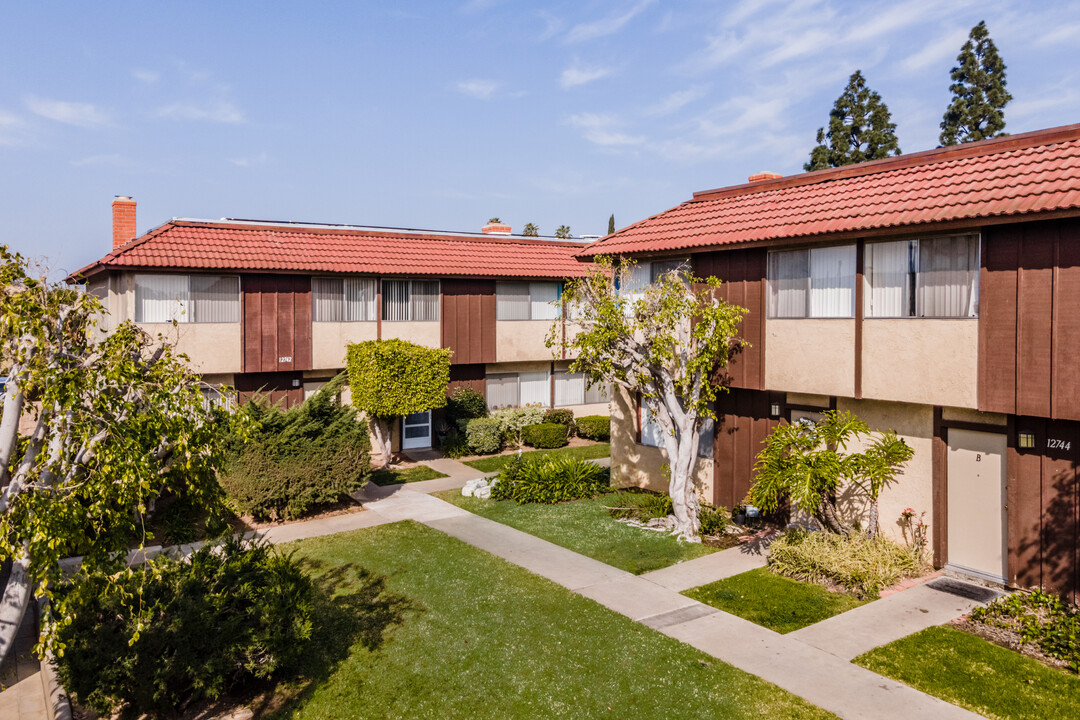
[563, 417]
[155, 639]
[549, 479]
[544, 435]
[484, 435]
[466, 403]
[594, 427]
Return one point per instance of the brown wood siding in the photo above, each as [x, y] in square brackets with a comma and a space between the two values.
[468, 320]
[743, 424]
[471, 376]
[277, 322]
[1029, 333]
[940, 491]
[1044, 501]
[743, 276]
[286, 388]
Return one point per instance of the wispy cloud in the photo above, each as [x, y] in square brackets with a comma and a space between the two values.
[936, 51]
[574, 76]
[78, 114]
[553, 25]
[220, 111]
[676, 101]
[477, 88]
[609, 25]
[12, 130]
[251, 160]
[603, 130]
[147, 76]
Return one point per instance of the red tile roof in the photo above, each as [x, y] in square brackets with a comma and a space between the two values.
[1019, 175]
[243, 246]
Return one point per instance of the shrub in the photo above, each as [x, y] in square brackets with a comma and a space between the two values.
[714, 520]
[544, 435]
[594, 427]
[1038, 618]
[640, 505]
[511, 420]
[549, 479]
[563, 417]
[864, 566]
[465, 403]
[311, 454]
[173, 632]
[454, 444]
[483, 435]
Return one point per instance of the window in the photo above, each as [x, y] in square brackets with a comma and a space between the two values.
[187, 298]
[651, 434]
[570, 389]
[526, 300]
[410, 300]
[934, 277]
[815, 282]
[343, 299]
[518, 389]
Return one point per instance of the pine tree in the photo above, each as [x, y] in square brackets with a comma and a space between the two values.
[860, 128]
[530, 230]
[611, 224]
[563, 232]
[979, 94]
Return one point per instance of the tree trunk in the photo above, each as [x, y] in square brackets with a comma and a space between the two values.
[684, 500]
[383, 438]
[872, 522]
[826, 513]
[15, 601]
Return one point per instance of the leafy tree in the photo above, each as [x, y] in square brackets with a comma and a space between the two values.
[114, 421]
[494, 220]
[530, 230]
[977, 111]
[666, 343]
[860, 128]
[563, 232]
[611, 224]
[395, 378]
[808, 463]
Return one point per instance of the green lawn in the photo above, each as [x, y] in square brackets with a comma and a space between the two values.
[585, 452]
[413, 474]
[776, 602]
[416, 624]
[585, 527]
[978, 675]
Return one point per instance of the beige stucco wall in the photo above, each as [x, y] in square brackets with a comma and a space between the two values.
[211, 347]
[810, 355]
[421, 333]
[921, 360]
[328, 341]
[587, 409]
[914, 486]
[635, 465]
[975, 416]
[518, 340]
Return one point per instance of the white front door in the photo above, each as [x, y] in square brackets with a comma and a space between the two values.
[416, 431]
[978, 544]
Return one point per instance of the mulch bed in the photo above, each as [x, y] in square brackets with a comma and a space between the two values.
[1007, 639]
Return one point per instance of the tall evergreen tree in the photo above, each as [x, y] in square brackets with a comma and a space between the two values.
[530, 230]
[977, 111]
[611, 224]
[860, 128]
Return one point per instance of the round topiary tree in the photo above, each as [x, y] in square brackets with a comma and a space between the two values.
[395, 378]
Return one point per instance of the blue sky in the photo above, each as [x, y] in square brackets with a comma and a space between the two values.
[442, 114]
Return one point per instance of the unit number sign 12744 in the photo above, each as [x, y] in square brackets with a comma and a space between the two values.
[1058, 444]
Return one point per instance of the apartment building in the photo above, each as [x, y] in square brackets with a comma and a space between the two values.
[269, 308]
[935, 294]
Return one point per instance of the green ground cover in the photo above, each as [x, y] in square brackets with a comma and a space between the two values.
[585, 527]
[978, 675]
[773, 601]
[431, 627]
[585, 452]
[413, 474]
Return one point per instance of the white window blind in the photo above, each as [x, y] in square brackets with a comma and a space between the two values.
[659, 267]
[929, 277]
[598, 393]
[651, 434]
[359, 300]
[569, 388]
[512, 301]
[502, 390]
[534, 388]
[410, 300]
[632, 284]
[889, 270]
[343, 299]
[326, 299]
[832, 281]
[543, 299]
[187, 298]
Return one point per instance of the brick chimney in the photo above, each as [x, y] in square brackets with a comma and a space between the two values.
[123, 220]
[764, 175]
[496, 227]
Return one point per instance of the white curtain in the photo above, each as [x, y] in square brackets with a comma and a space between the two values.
[215, 299]
[948, 284]
[512, 301]
[598, 393]
[162, 298]
[662, 266]
[543, 297]
[632, 285]
[502, 390]
[534, 388]
[888, 274]
[789, 274]
[359, 296]
[650, 431]
[569, 388]
[832, 281]
[326, 299]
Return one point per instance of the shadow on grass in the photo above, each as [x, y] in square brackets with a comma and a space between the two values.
[352, 609]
